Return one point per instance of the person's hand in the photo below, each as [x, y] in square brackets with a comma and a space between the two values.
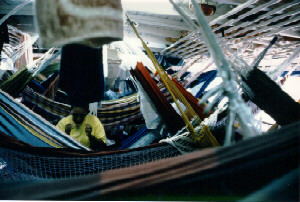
[68, 128]
[88, 129]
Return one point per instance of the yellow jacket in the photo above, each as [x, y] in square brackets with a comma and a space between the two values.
[78, 132]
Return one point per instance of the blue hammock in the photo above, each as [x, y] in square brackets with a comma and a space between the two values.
[207, 78]
[18, 121]
[134, 138]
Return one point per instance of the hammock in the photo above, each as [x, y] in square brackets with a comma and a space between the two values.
[21, 161]
[164, 108]
[204, 139]
[111, 114]
[263, 91]
[6, 75]
[15, 84]
[134, 138]
[19, 48]
[18, 121]
[192, 100]
[207, 78]
[228, 87]
[123, 110]
[230, 173]
[50, 69]
[268, 96]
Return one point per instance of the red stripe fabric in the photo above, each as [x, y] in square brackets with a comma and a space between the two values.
[172, 119]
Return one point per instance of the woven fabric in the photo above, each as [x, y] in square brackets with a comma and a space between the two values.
[27, 57]
[152, 118]
[232, 171]
[171, 118]
[36, 86]
[269, 97]
[88, 22]
[134, 138]
[147, 139]
[20, 161]
[167, 61]
[81, 74]
[193, 101]
[209, 77]
[57, 109]
[17, 82]
[238, 169]
[6, 75]
[50, 79]
[110, 115]
[50, 69]
[20, 122]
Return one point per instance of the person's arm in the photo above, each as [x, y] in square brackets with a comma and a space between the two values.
[97, 138]
[68, 128]
[64, 128]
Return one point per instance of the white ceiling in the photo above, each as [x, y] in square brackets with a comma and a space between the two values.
[152, 6]
[160, 25]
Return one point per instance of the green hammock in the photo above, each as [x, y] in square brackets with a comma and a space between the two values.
[15, 84]
[50, 69]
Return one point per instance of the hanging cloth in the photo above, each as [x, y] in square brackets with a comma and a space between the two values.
[92, 22]
[81, 74]
[150, 114]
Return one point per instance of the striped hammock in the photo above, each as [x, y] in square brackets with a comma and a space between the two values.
[113, 113]
[18, 121]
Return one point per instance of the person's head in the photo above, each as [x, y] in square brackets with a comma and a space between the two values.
[79, 113]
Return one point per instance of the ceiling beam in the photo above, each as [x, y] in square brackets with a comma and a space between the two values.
[291, 33]
[159, 21]
[147, 29]
[232, 2]
[148, 37]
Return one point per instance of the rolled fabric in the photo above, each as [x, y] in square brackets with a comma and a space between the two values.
[268, 96]
[88, 22]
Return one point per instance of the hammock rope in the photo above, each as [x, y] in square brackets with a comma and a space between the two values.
[228, 88]
[175, 93]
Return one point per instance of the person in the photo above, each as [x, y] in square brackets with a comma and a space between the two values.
[86, 129]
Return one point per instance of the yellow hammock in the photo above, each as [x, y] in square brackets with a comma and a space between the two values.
[206, 139]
